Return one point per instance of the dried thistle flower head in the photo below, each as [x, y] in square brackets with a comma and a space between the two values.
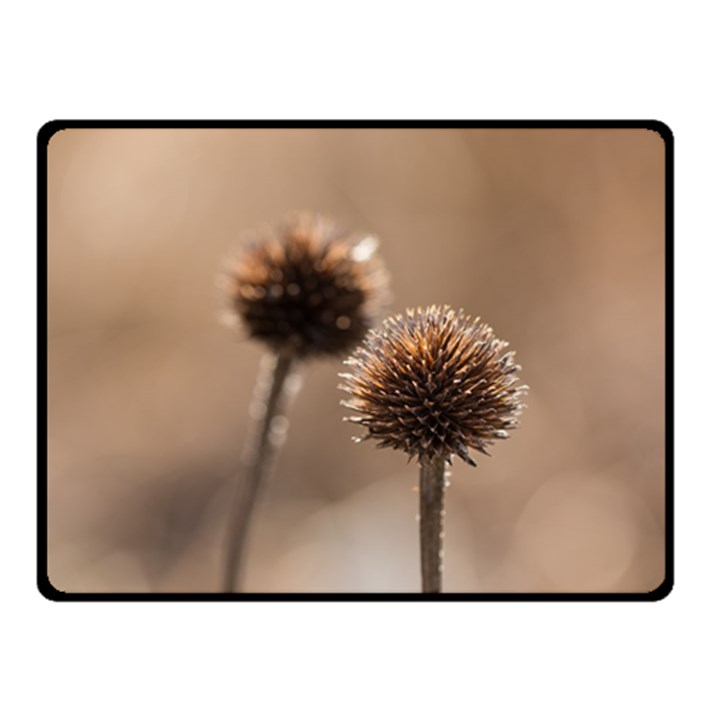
[308, 288]
[433, 382]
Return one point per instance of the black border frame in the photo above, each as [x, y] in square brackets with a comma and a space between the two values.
[44, 136]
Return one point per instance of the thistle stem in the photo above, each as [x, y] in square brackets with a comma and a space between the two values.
[432, 499]
[271, 395]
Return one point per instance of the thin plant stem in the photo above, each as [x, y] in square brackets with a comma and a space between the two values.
[432, 499]
[271, 396]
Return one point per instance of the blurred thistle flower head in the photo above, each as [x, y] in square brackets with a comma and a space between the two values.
[433, 382]
[308, 288]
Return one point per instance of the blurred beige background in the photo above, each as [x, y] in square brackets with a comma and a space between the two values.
[554, 237]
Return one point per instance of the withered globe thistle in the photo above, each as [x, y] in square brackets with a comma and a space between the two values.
[307, 288]
[434, 383]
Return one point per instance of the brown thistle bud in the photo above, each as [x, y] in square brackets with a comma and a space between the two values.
[308, 288]
[434, 383]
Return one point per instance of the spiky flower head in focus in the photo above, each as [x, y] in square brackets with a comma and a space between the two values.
[433, 382]
[308, 288]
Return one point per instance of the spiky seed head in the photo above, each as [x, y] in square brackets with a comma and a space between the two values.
[433, 382]
[308, 288]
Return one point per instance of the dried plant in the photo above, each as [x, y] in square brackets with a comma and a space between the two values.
[305, 289]
[433, 383]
